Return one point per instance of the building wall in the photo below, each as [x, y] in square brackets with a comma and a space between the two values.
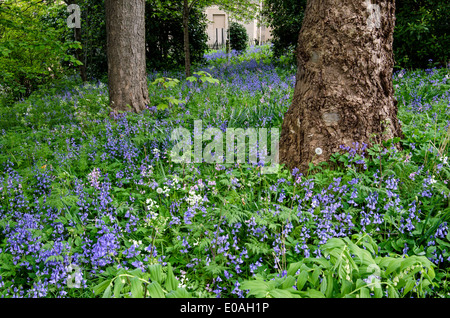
[218, 19]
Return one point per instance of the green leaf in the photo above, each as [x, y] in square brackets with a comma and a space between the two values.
[257, 288]
[312, 293]
[179, 293]
[408, 286]
[364, 292]
[162, 106]
[293, 268]
[107, 293]
[101, 287]
[118, 285]
[301, 279]
[281, 293]
[392, 293]
[171, 281]
[314, 277]
[323, 285]
[346, 287]
[394, 264]
[289, 281]
[155, 290]
[378, 291]
[136, 288]
[330, 286]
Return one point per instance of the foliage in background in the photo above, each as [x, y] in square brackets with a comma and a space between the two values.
[93, 37]
[238, 37]
[422, 33]
[285, 18]
[32, 52]
[164, 35]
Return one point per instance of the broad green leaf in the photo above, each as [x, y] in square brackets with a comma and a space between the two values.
[393, 266]
[171, 282]
[179, 293]
[312, 293]
[118, 285]
[364, 293]
[407, 262]
[293, 268]
[301, 279]
[330, 287]
[408, 286]
[323, 285]
[288, 282]
[281, 293]
[346, 287]
[431, 273]
[107, 293]
[155, 290]
[378, 291]
[314, 277]
[258, 288]
[392, 293]
[136, 288]
[101, 287]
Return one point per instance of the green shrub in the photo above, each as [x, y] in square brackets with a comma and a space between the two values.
[284, 17]
[238, 37]
[422, 33]
[31, 52]
[349, 271]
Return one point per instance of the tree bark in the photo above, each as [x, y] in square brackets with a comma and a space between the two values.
[187, 53]
[127, 78]
[343, 92]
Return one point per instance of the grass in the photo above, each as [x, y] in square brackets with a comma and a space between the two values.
[92, 207]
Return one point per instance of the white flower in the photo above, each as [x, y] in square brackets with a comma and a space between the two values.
[136, 243]
[319, 151]
[193, 198]
[147, 171]
[159, 190]
[151, 204]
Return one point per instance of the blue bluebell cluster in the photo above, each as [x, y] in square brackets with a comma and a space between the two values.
[106, 195]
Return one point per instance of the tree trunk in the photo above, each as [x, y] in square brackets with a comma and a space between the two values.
[187, 53]
[343, 92]
[125, 30]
